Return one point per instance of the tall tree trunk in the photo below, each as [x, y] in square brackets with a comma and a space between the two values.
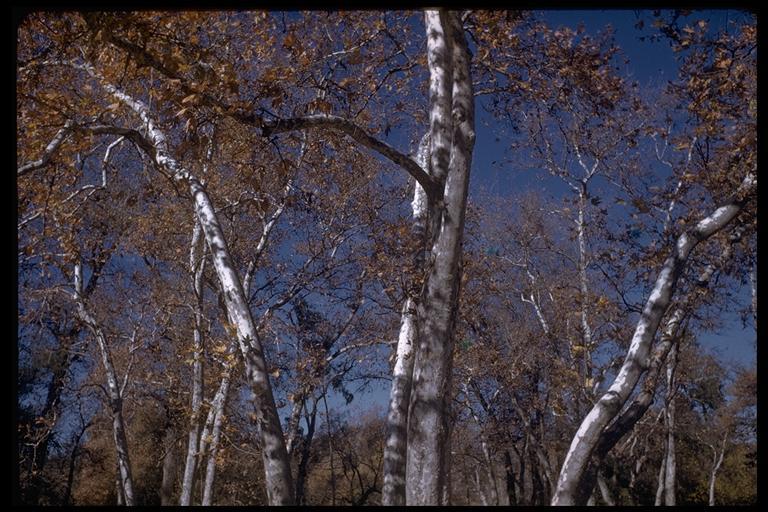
[670, 338]
[509, 472]
[717, 461]
[213, 429]
[306, 445]
[479, 487]
[636, 362]
[196, 269]
[660, 479]
[114, 393]
[169, 467]
[670, 469]
[60, 363]
[451, 116]
[119, 496]
[586, 331]
[277, 468]
[72, 461]
[395, 448]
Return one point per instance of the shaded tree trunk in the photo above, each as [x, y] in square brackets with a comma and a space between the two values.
[72, 461]
[114, 393]
[306, 445]
[213, 429]
[169, 467]
[452, 139]
[509, 472]
[605, 491]
[670, 468]
[395, 448]
[196, 269]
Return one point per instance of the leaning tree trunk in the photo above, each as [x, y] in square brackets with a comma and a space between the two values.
[277, 468]
[670, 338]
[452, 139]
[608, 406]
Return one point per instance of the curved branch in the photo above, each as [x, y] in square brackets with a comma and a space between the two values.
[360, 135]
[50, 149]
[608, 406]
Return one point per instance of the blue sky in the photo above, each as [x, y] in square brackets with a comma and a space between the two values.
[651, 64]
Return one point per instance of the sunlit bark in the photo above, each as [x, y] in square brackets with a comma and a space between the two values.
[276, 466]
[609, 405]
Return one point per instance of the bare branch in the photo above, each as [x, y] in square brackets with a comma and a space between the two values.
[360, 135]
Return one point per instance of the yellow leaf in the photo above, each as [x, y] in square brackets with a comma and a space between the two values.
[190, 98]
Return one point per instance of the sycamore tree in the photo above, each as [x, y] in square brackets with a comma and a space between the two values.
[232, 224]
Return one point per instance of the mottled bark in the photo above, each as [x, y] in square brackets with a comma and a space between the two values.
[670, 338]
[277, 471]
[212, 430]
[586, 330]
[452, 140]
[395, 448]
[609, 405]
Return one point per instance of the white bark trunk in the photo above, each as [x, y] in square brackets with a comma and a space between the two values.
[717, 461]
[395, 448]
[428, 428]
[196, 269]
[671, 462]
[219, 403]
[670, 336]
[113, 390]
[586, 336]
[275, 458]
[587, 436]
